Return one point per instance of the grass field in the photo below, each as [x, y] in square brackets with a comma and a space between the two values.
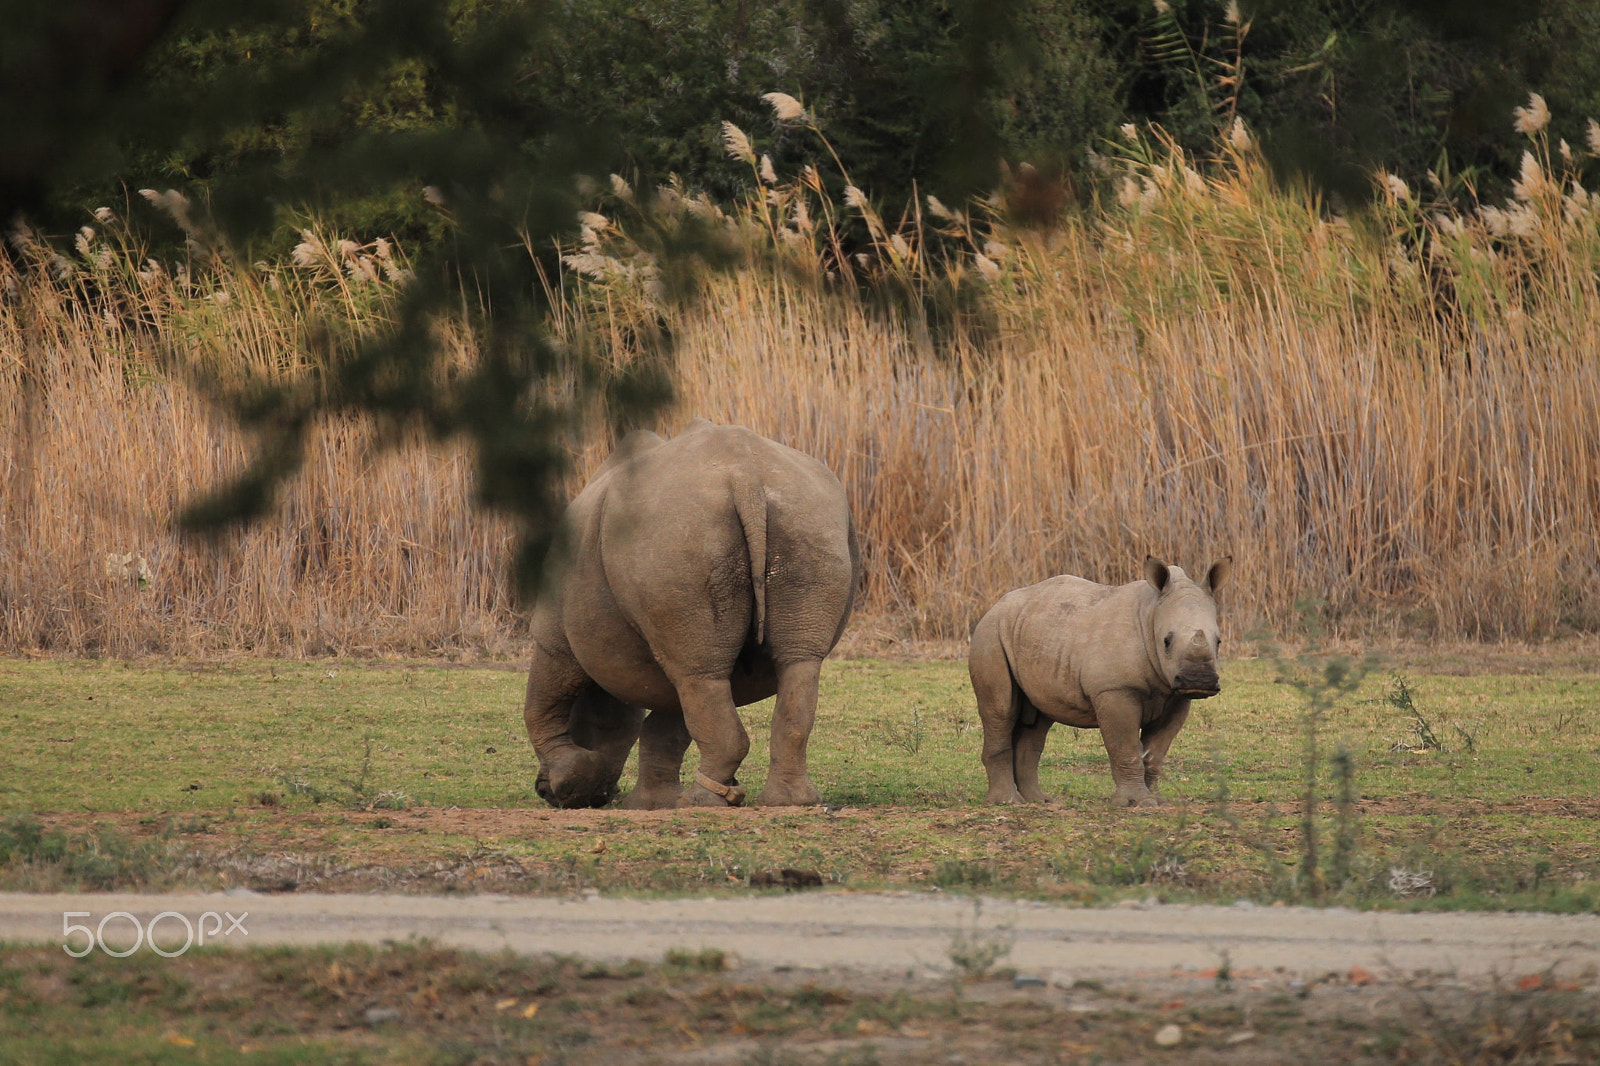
[335, 774]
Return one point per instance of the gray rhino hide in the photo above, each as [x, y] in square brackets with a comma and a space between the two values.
[701, 574]
[1124, 659]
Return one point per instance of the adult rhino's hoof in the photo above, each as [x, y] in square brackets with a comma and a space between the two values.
[1003, 798]
[650, 799]
[582, 780]
[784, 794]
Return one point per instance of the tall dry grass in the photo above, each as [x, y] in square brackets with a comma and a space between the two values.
[104, 438]
[1392, 414]
[1394, 417]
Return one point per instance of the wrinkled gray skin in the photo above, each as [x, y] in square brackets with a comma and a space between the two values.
[701, 574]
[1127, 659]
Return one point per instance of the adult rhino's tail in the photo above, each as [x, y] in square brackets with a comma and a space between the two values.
[750, 500]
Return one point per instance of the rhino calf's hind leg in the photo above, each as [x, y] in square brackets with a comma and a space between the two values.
[662, 743]
[1027, 744]
[788, 783]
[999, 704]
[713, 722]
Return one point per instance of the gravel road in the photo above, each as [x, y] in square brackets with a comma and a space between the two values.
[894, 932]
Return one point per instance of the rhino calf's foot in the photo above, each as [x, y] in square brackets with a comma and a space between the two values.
[1135, 799]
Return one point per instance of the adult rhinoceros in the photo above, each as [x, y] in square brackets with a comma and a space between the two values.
[701, 573]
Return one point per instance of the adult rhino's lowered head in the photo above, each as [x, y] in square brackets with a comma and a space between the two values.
[1124, 659]
[700, 574]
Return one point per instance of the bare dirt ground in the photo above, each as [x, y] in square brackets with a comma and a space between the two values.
[840, 977]
[916, 932]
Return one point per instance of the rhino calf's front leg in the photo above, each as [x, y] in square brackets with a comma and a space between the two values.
[1157, 737]
[1119, 714]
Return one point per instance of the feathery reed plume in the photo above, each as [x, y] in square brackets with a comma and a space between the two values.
[1531, 120]
[785, 107]
[737, 144]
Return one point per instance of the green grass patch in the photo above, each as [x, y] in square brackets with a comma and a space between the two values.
[1462, 791]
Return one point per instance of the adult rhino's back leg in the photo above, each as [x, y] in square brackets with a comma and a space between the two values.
[662, 744]
[713, 722]
[788, 783]
[808, 605]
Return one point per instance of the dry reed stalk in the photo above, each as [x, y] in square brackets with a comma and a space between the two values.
[371, 553]
[1395, 421]
[1394, 418]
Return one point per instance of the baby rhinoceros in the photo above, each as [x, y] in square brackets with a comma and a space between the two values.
[1127, 659]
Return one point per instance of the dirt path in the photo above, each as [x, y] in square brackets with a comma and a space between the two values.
[883, 933]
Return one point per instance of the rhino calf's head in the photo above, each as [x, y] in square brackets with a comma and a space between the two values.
[1183, 626]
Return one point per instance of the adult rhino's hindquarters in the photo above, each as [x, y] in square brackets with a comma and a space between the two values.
[701, 574]
[1124, 659]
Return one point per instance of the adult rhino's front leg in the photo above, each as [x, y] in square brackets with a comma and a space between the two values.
[1120, 716]
[662, 744]
[562, 701]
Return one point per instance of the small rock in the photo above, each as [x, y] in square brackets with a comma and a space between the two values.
[489, 751]
[1244, 905]
[1169, 1036]
[381, 1015]
[1027, 980]
[590, 895]
[1360, 975]
[1240, 1037]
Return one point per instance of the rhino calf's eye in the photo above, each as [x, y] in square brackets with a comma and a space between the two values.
[1168, 642]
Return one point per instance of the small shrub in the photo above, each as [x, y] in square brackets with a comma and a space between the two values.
[706, 960]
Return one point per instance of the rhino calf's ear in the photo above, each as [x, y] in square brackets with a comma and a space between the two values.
[1217, 576]
[1156, 572]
